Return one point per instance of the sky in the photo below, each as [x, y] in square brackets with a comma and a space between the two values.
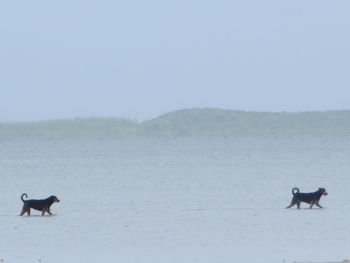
[139, 59]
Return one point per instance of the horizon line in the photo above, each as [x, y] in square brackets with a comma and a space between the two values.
[166, 113]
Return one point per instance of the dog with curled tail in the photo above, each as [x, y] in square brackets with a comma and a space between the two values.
[42, 205]
[310, 198]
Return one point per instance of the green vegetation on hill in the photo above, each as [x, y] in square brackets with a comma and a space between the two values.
[190, 122]
[213, 122]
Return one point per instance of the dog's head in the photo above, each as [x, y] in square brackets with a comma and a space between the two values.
[323, 191]
[54, 198]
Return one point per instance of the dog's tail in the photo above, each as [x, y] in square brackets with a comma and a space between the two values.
[295, 190]
[23, 196]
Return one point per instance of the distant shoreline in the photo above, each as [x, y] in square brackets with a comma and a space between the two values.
[190, 122]
[174, 112]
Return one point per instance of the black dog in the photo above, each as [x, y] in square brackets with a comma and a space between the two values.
[310, 198]
[42, 205]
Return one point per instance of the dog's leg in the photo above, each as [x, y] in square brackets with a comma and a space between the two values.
[292, 203]
[43, 212]
[318, 205]
[28, 211]
[311, 204]
[24, 210]
[290, 206]
[48, 210]
[298, 204]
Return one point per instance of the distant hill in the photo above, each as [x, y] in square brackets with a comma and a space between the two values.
[217, 122]
[190, 122]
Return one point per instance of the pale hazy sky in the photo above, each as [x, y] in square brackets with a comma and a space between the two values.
[139, 58]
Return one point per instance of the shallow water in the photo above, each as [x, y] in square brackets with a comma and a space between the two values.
[175, 200]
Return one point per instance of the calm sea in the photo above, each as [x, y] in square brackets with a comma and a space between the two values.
[210, 193]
